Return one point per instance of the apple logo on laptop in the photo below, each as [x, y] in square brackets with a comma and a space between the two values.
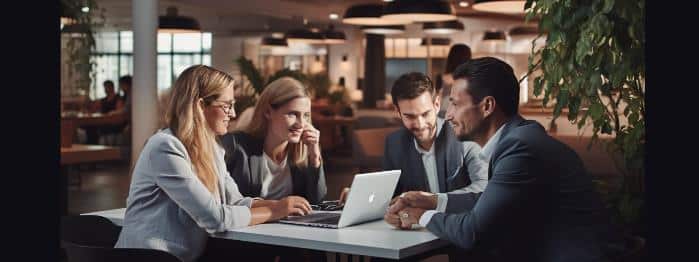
[371, 198]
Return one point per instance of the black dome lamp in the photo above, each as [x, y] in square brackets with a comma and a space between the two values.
[523, 30]
[383, 29]
[445, 27]
[273, 41]
[67, 17]
[494, 36]
[173, 23]
[419, 10]
[304, 35]
[369, 14]
[500, 6]
[333, 36]
[436, 41]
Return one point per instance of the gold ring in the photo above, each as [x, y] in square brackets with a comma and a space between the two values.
[404, 215]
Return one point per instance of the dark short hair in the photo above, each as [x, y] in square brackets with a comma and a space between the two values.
[125, 80]
[489, 76]
[411, 85]
[458, 54]
[108, 83]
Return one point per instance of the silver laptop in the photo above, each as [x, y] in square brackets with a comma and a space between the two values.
[368, 200]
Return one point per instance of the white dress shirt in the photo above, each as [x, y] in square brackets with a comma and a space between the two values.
[485, 154]
[429, 161]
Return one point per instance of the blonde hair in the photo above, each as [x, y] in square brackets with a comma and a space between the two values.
[275, 95]
[185, 117]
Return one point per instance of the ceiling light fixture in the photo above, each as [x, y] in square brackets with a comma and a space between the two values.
[171, 22]
[383, 29]
[436, 41]
[419, 10]
[369, 14]
[494, 35]
[332, 36]
[446, 27]
[273, 41]
[500, 6]
[304, 35]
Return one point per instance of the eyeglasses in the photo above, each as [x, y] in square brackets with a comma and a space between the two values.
[227, 106]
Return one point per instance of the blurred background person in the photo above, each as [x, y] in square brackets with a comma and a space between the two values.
[458, 54]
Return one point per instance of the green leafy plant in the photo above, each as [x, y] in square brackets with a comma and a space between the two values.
[319, 84]
[593, 64]
[255, 84]
[81, 40]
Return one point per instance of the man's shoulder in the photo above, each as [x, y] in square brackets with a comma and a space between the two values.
[397, 136]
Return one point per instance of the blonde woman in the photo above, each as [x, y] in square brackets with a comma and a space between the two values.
[278, 154]
[180, 191]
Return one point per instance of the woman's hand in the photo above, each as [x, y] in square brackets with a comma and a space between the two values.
[311, 138]
[343, 195]
[291, 205]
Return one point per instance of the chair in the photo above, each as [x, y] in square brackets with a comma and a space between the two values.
[368, 147]
[95, 231]
[92, 238]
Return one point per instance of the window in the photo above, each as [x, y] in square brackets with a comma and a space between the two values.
[113, 56]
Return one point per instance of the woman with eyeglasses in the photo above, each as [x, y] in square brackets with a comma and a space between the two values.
[278, 153]
[180, 190]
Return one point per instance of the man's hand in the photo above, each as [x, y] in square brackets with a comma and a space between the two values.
[392, 219]
[397, 204]
[419, 199]
[410, 216]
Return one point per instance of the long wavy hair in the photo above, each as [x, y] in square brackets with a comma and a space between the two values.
[195, 88]
[274, 96]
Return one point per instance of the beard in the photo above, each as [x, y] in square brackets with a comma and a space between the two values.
[477, 130]
[430, 130]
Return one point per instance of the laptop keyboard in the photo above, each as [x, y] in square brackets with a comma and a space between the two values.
[322, 218]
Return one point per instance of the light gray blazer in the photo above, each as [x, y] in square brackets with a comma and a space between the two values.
[169, 209]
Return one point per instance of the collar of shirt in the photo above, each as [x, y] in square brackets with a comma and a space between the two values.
[440, 123]
[489, 146]
[274, 168]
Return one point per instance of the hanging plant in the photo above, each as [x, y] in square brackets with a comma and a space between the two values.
[593, 64]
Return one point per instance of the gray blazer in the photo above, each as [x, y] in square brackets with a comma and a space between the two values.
[244, 160]
[460, 168]
[169, 209]
[540, 204]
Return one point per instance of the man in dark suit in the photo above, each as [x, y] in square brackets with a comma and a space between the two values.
[431, 159]
[540, 204]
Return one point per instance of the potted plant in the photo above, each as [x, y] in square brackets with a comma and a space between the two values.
[82, 21]
[593, 64]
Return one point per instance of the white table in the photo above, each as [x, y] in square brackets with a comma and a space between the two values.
[374, 239]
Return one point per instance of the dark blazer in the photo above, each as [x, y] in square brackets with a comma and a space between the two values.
[244, 161]
[540, 204]
[458, 163]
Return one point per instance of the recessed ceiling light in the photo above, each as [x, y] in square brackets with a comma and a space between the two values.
[463, 4]
[85, 9]
[334, 16]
